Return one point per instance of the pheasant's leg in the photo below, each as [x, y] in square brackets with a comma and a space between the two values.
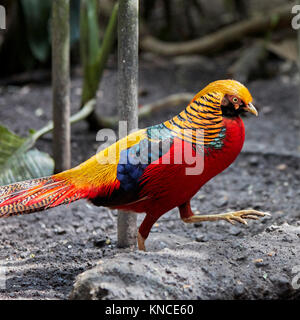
[141, 242]
[237, 216]
[144, 230]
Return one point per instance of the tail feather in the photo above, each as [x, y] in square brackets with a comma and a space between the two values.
[88, 180]
[36, 195]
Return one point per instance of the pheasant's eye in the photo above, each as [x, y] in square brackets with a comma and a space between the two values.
[235, 99]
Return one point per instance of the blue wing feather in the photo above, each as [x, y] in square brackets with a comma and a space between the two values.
[134, 160]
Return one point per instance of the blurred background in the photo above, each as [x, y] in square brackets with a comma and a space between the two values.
[25, 44]
[184, 45]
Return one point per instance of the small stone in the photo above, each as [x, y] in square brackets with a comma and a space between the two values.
[260, 263]
[239, 290]
[253, 161]
[186, 286]
[198, 225]
[201, 238]
[287, 239]
[281, 282]
[39, 112]
[222, 201]
[258, 260]
[241, 257]
[99, 243]
[59, 231]
[25, 90]
[281, 167]
[272, 228]
[235, 231]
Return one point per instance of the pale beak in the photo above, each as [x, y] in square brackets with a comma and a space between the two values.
[250, 108]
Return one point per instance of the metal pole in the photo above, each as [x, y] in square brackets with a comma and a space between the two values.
[128, 96]
[61, 84]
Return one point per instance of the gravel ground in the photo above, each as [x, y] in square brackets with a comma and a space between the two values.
[43, 253]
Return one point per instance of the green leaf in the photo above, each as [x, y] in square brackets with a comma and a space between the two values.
[90, 29]
[37, 25]
[93, 55]
[74, 20]
[17, 163]
[37, 14]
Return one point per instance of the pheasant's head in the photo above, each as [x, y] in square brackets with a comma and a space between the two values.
[222, 98]
[235, 97]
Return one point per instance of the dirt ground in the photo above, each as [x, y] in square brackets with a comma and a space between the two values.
[44, 252]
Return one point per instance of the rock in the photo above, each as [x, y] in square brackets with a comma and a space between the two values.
[272, 228]
[99, 243]
[261, 263]
[235, 231]
[59, 230]
[201, 238]
[254, 161]
[283, 285]
[198, 270]
[221, 202]
[281, 167]
[239, 290]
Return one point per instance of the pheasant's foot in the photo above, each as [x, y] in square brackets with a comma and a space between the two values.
[141, 242]
[232, 217]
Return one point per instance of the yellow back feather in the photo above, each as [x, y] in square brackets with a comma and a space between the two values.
[101, 169]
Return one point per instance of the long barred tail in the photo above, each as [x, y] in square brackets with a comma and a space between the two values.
[36, 195]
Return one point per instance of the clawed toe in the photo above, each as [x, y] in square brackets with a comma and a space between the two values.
[233, 218]
[240, 216]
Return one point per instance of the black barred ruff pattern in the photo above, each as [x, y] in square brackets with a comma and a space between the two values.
[202, 113]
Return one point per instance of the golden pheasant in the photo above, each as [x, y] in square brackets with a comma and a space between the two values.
[155, 169]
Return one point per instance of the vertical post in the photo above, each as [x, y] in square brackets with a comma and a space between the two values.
[61, 84]
[298, 46]
[128, 95]
[2, 18]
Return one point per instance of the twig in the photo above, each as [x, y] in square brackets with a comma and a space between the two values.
[81, 115]
[218, 40]
[173, 100]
